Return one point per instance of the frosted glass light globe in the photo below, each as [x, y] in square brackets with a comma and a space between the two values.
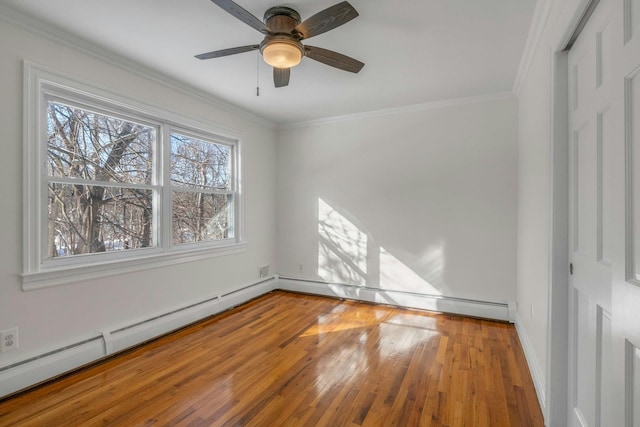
[282, 55]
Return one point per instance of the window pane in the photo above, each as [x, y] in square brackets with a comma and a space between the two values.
[200, 217]
[86, 145]
[199, 164]
[89, 219]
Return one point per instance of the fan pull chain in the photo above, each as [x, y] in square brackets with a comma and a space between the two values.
[257, 73]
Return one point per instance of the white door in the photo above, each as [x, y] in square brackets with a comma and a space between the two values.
[604, 294]
[626, 280]
[590, 223]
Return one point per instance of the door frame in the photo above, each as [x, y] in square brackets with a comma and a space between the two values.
[557, 378]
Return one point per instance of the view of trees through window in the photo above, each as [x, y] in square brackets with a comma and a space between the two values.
[103, 188]
[202, 200]
[99, 169]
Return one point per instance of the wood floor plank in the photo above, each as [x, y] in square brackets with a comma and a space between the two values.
[287, 359]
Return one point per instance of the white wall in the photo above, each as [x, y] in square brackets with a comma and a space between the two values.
[534, 200]
[420, 200]
[53, 317]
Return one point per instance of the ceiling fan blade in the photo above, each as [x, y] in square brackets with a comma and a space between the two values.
[281, 76]
[326, 20]
[240, 13]
[333, 59]
[227, 52]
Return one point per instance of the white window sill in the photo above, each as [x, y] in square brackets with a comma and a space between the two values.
[73, 274]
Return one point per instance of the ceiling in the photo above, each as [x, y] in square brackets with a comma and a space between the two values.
[415, 52]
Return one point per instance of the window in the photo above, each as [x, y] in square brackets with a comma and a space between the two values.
[202, 195]
[111, 184]
[101, 178]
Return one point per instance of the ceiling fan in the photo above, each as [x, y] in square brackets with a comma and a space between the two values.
[281, 47]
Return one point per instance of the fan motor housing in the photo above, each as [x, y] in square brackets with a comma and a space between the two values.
[281, 19]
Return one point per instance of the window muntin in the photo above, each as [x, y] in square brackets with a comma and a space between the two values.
[201, 164]
[52, 170]
[202, 190]
[95, 146]
[99, 172]
[201, 217]
[123, 219]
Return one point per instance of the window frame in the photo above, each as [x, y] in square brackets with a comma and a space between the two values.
[172, 187]
[42, 86]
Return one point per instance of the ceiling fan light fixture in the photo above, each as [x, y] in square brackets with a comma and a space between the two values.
[282, 54]
[284, 32]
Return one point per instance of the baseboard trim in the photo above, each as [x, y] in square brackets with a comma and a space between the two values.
[34, 370]
[37, 369]
[467, 307]
[539, 381]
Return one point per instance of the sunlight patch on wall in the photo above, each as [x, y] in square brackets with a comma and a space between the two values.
[347, 255]
[342, 248]
[395, 275]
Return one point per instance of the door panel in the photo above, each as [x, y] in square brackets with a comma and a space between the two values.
[604, 413]
[606, 164]
[632, 96]
[604, 229]
[626, 289]
[631, 22]
[585, 198]
[632, 393]
[590, 231]
[584, 386]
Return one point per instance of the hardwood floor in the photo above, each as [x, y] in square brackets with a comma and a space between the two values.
[286, 359]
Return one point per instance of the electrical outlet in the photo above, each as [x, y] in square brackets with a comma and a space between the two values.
[264, 270]
[8, 340]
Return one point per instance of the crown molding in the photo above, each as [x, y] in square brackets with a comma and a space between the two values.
[58, 35]
[436, 105]
[538, 24]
